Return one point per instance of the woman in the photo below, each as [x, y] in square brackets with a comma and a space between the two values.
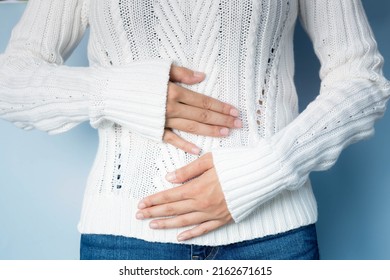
[248, 195]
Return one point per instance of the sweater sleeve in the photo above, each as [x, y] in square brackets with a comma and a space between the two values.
[38, 91]
[352, 97]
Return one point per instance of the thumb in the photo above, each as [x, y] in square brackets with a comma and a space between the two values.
[184, 75]
[191, 170]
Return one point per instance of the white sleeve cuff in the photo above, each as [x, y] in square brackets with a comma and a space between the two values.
[133, 96]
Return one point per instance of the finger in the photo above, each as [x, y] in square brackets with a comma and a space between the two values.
[193, 98]
[191, 170]
[185, 75]
[182, 192]
[200, 230]
[197, 128]
[165, 210]
[177, 141]
[206, 116]
[189, 219]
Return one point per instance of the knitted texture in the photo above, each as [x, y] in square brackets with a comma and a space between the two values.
[245, 47]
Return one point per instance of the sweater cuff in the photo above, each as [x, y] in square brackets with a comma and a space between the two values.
[249, 176]
[133, 96]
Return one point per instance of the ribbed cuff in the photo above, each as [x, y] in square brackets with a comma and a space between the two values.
[249, 176]
[133, 96]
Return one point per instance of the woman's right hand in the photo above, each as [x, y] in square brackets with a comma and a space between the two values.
[195, 113]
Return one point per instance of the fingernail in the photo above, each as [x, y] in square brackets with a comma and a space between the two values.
[141, 205]
[234, 112]
[139, 216]
[238, 123]
[171, 176]
[224, 131]
[195, 150]
[198, 74]
[153, 225]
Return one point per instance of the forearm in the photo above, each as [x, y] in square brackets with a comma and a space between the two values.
[38, 91]
[353, 96]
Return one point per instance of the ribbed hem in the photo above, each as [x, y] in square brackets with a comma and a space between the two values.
[114, 214]
[249, 176]
[133, 96]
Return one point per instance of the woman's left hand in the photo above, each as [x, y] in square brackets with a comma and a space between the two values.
[199, 202]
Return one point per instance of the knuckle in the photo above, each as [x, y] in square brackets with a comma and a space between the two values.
[170, 210]
[146, 213]
[187, 194]
[198, 196]
[161, 225]
[168, 136]
[216, 131]
[187, 146]
[206, 103]
[179, 175]
[171, 87]
[184, 195]
[190, 193]
[173, 91]
[147, 202]
[204, 116]
[187, 74]
[184, 221]
[225, 108]
[204, 204]
[171, 110]
[192, 127]
[183, 74]
[179, 72]
[165, 196]
[204, 230]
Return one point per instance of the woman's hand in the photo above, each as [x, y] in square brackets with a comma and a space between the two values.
[195, 113]
[198, 202]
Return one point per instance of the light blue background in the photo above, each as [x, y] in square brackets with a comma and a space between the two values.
[42, 177]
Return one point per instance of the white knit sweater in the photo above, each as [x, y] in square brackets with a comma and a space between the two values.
[245, 48]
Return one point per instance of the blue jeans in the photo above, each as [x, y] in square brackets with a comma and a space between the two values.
[296, 244]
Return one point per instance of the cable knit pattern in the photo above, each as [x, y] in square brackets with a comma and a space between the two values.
[245, 47]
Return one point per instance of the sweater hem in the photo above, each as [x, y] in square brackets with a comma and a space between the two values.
[115, 215]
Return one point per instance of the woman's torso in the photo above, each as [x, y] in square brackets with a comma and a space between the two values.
[245, 49]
